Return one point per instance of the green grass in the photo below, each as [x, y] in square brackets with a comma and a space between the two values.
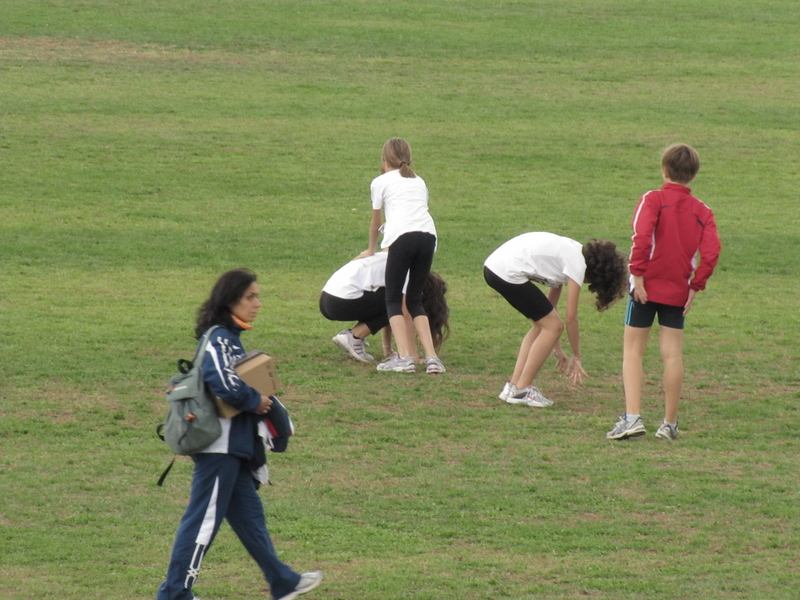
[137, 139]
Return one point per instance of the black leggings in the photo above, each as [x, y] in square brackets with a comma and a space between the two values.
[370, 309]
[411, 254]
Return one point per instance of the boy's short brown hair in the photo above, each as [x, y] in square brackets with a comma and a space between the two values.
[681, 163]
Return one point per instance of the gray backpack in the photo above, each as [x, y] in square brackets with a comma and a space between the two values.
[191, 424]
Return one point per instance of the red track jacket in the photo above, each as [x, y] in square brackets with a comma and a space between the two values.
[670, 227]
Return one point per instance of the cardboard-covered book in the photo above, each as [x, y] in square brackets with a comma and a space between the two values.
[257, 370]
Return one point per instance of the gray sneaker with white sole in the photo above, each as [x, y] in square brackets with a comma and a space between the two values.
[624, 430]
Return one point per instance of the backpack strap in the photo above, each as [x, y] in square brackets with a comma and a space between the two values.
[204, 342]
[166, 471]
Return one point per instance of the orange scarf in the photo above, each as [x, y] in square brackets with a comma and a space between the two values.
[241, 323]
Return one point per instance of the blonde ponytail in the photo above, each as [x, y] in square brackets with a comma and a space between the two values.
[397, 155]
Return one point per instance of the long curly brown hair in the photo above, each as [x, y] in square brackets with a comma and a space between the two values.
[227, 291]
[606, 272]
[435, 305]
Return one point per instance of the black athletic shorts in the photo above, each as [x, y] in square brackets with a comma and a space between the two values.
[643, 315]
[525, 297]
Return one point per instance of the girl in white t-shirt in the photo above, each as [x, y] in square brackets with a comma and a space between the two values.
[553, 261]
[356, 292]
[410, 235]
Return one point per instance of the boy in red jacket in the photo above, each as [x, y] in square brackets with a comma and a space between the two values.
[671, 228]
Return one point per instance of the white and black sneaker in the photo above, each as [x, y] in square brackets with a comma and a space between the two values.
[516, 395]
[308, 581]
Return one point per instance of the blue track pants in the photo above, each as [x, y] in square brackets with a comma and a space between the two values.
[222, 487]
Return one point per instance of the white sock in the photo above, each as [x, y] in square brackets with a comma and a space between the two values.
[631, 418]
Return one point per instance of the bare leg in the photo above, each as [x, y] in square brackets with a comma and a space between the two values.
[360, 330]
[542, 343]
[671, 343]
[524, 349]
[398, 325]
[423, 327]
[635, 344]
[386, 340]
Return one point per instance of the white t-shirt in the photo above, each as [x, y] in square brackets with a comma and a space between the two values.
[405, 202]
[542, 257]
[358, 276]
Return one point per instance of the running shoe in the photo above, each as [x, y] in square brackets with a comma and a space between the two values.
[667, 431]
[308, 581]
[536, 399]
[353, 346]
[398, 364]
[434, 365]
[624, 430]
[517, 396]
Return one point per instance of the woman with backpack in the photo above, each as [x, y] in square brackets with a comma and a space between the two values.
[228, 473]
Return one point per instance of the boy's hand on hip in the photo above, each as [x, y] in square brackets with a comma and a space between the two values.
[639, 293]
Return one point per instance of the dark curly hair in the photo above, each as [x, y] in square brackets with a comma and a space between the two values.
[229, 289]
[606, 272]
[435, 305]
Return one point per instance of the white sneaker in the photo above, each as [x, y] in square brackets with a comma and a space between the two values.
[667, 431]
[308, 581]
[433, 364]
[536, 399]
[506, 390]
[353, 346]
[517, 396]
[398, 364]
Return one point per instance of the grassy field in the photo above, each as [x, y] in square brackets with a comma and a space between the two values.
[148, 146]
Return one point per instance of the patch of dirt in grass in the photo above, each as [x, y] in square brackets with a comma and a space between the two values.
[114, 51]
[704, 384]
